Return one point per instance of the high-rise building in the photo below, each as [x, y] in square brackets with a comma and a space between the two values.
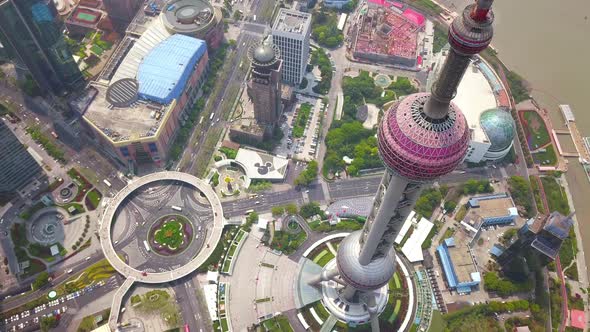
[543, 236]
[291, 32]
[31, 31]
[17, 165]
[122, 12]
[420, 138]
[264, 85]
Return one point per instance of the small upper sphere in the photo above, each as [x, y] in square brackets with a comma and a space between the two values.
[469, 37]
[264, 53]
[499, 128]
[418, 148]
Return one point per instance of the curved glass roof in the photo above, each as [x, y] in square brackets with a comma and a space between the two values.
[499, 127]
[164, 71]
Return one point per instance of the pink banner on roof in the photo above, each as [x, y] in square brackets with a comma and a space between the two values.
[414, 16]
[397, 4]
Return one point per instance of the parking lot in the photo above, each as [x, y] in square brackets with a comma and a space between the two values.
[306, 146]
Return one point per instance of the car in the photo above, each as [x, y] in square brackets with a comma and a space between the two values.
[64, 308]
[36, 320]
[87, 258]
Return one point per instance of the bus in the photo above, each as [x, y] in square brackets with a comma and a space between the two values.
[107, 183]
[146, 245]
[201, 121]
[176, 208]
[249, 211]
[211, 117]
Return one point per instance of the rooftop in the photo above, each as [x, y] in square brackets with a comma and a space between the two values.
[491, 206]
[187, 16]
[292, 21]
[146, 78]
[387, 32]
[412, 249]
[259, 165]
[461, 262]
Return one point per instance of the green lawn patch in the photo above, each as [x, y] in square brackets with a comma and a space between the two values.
[556, 197]
[321, 310]
[546, 156]
[93, 199]
[437, 323]
[323, 257]
[78, 208]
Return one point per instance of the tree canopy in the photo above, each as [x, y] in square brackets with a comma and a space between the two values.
[325, 29]
[41, 280]
[428, 201]
[310, 173]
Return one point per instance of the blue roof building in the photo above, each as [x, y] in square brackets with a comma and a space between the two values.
[163, 73]
[458, 266]
[496, 209]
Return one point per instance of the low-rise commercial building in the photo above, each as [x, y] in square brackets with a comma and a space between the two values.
[458, 264]
[135, 108]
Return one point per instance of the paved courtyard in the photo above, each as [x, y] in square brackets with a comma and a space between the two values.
[251, 281]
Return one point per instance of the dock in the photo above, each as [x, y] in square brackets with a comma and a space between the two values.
[581, 143]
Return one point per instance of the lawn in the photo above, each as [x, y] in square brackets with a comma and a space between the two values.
[40, 251]
[321, 310]
[534, 127]
[556, 197]
[546, 156]
[93, 199]
[437, 323]
[78, 208]
[35, 267]
[323, 257]
[279, 323]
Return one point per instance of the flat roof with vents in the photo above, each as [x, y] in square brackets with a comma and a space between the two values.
[292, 21]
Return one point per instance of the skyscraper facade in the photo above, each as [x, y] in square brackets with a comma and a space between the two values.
[420, 138]
[291, 32]
[17, 165]
[31, 31]
[264, 85]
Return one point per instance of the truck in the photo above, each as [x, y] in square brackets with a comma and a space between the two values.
[146, 245]
[176, 208]
[108, 184]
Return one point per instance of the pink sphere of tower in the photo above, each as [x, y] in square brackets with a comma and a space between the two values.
[418, 148]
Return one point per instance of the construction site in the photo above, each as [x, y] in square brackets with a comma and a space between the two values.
[388, 32]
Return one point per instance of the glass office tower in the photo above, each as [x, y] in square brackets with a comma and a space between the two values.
[31, 31]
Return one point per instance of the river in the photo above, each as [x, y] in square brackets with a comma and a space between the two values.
[548, 43]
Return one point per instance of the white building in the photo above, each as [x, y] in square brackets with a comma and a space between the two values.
[492, 128]
[291, 32]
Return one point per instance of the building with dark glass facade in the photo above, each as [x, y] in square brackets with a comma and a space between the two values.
[31, 31]
[18, 168]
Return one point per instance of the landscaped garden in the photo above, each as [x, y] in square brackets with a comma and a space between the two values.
[95, 273]
[170, 235]
[301, 120]
[556, 197]
[290, 238]
[159, 301]
[537, 134]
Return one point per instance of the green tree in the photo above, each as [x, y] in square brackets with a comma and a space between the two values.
[277, 210]
[310, 209]
[291, 208]
[48, 323]
[41, 280]
[308, 175]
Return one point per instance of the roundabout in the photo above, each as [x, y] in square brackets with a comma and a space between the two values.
[164, 224]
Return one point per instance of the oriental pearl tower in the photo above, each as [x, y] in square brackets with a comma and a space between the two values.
[422, 137]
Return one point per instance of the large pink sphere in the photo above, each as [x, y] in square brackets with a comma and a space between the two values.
[420, 149]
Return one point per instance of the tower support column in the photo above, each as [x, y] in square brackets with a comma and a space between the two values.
[387, 209]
